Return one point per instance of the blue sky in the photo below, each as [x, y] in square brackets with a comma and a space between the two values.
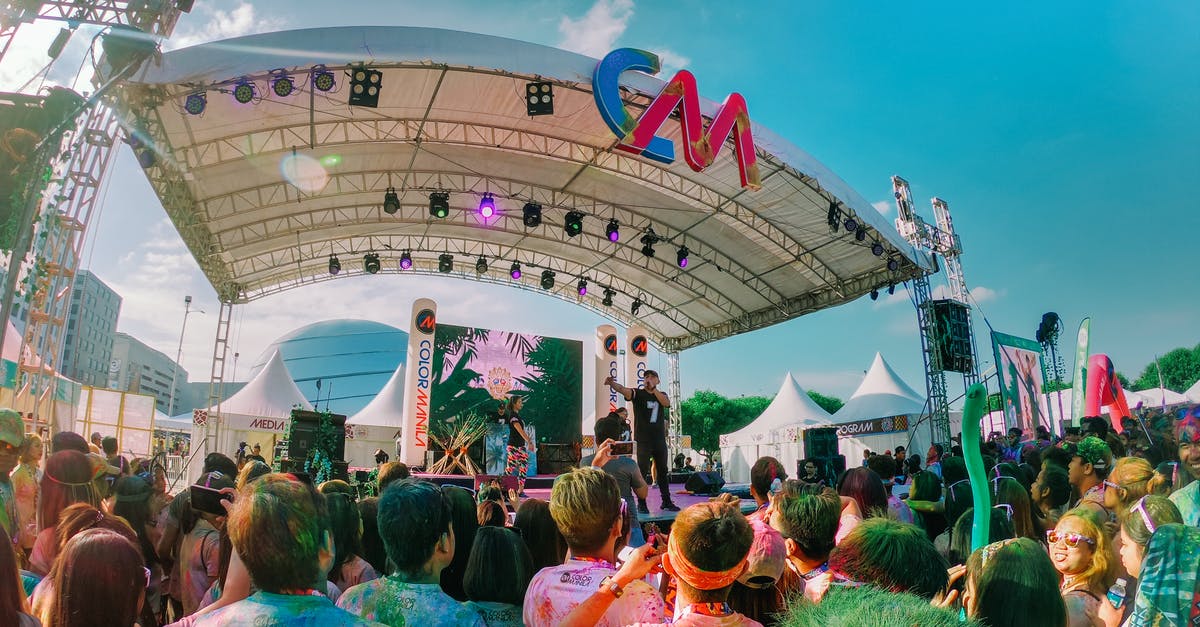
[1065, 136]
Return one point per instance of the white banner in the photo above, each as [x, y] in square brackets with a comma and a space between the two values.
[607, 365]
[637, 347]
[418, 383]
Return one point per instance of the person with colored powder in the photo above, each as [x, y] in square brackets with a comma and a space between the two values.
[280, 530]
[1187, 433]
[415, 522]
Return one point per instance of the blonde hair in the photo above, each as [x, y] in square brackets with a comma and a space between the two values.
[1135, 478]
[32, 443]
[1099, 575]
[584, 504]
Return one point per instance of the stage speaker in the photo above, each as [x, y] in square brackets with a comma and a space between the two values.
[304, 435]
[821, 442]
[704, 483]
[952, 338]
[830, 468]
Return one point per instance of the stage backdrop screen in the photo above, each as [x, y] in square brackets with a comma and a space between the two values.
[474, 369]
[1022, 380]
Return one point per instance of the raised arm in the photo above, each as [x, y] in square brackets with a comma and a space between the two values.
[626, 393]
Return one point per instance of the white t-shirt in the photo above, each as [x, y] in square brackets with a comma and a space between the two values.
[557, 590]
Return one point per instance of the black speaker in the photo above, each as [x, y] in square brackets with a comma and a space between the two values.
[820, 442]
[952, 342]
[704, 483]
[304, 435]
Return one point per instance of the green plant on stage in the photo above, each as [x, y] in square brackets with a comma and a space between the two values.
[319, 462]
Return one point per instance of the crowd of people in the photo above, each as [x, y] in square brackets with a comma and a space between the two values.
[1097, 528]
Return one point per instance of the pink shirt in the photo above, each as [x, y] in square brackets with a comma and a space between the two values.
[701, 620]
[199, 557]
[557, 590]
[354, 572]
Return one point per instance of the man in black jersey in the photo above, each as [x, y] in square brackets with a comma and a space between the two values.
[650, 406]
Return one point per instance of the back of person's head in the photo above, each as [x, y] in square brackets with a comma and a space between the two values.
[1135, 478]
[1000, 528]
[252, 470]
[279, 527]
[610, 427]
[500, 567]
[959, 498]
[707, 550]
[912, 464]
[868, 606]
[1011, 471]
[81, 516]
[1056, 456]
[1012, 583]
[490, 493]
[392, 471]
[585, 504]
[763, 473]
[1089, 522]
[865, 487]
[891, 555]
[133, 504]
[68, 441]
[99, 579]
[220, 462]
[463, 520]
[337, 486]
[1055, 483]
[215, 480]
[1146, 515]
[490, 514]
[1010, 497]
[807, 515]
[925, 486]
[66, 480]
[346, 526]
[883, 465]
[414, 516]
[954, 469]
[31, 448]
[109, 444]
[536, 525]
[372, 544]
[12, 594]
[1166, 594]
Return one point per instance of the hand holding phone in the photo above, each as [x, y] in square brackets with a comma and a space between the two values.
[208, 500]
[622, 449]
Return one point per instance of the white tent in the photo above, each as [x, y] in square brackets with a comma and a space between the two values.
[1193, 393]
[1156, 397]
[776, 432]
[377, 425]
[866, 420]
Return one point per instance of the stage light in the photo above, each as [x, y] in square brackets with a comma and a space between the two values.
[335, 266]
[648, 241]
[364, 87]
[514, 271]
[637, 304]
[874, 293]
[371, 263]
[539, 98]
[832, 217]
[322, 78]
[877, 249]
[547, 279]
[487, 206]
[195, 103]
[532, 214]
[481, 265]
[608, 297]
[860, 234]
[445, 262]
[613, 230]
[142, 150]
[405, 260]
[850, 223]
[439, 204]
[893, 264]
[573, 224]
[243, 92]
[891, 288]
[681, 256]
[581, 287]
[283, 85]
[391, 202]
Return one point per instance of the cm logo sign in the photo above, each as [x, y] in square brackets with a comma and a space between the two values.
[640, 346]
[640, 135]
[610, 344]
[426, 321]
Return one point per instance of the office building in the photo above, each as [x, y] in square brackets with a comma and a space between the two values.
[91, 322]
[135, 367]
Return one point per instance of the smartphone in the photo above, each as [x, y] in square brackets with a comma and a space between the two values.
[208, 500]
[621, 449]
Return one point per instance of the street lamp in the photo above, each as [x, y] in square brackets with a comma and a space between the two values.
[187, 309]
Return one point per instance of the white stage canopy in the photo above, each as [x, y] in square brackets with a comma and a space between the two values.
[776, 432]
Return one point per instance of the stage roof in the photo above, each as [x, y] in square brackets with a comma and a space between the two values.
[263, 193]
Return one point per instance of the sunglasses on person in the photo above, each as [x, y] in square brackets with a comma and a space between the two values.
[1109, 484]
[1140, 508]
[1006, 508]
[1071, 539]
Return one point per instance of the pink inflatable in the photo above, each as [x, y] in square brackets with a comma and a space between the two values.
[1103, 388]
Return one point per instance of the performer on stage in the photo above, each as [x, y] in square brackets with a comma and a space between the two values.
[520, 445]
[650, 433]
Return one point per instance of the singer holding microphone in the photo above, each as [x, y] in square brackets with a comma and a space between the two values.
[650, 432]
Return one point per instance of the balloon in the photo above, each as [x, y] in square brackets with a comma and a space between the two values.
[972, 414]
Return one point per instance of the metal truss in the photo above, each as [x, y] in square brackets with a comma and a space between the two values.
[156, 18]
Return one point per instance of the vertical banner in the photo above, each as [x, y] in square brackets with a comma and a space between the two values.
[1079, 382]
[413, 439]
[636, 350]
[607, 365]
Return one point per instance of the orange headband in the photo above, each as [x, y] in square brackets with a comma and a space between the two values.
[693, 576]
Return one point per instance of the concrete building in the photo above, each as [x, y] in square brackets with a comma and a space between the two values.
[135, 367]
[91, 323]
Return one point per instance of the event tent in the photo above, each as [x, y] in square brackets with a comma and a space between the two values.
[882, 396]
[376, 425]
[1155, 397]
[776, 432]
[1193, 393]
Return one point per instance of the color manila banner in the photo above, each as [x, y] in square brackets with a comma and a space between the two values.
[413, 438]
[607, 365]
[637, 348]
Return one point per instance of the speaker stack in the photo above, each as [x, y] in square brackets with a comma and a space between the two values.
[821, 448]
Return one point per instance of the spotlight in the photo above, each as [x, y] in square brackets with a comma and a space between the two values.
[514, 271]
[195, 103]
[893, 264]
[439, 204]
[243, 92]
[832, 217]
[891, 288]
[405, 260]
[322, 78]
[573, 224]
[371, 263]
[613, 230]
[481, 265]
[539, 98]
[283, 85]
[335, 266]
[364, 87]
[547, 279]
[391, 202]
[637, 304]
[877, 249]
[648, 250]
[608, 297]
[581, 287]
[445, 262]
[681, 257]
[874, 293]
[532, 214]
[860, 234]
[487, 206]
[648, 241]
[142, 150]
[850, 223]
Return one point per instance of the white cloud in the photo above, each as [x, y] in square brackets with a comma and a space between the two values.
[884, 207]
[979, 294]
[596, 33]
[27, 54]
[242, 19]
[671, 62]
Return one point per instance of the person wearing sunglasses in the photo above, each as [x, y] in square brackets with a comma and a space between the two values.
[1131, 479]
[1187, 434]
[1143, 518]
[1082, 553]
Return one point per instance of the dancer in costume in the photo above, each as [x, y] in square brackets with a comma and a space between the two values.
[520, 445]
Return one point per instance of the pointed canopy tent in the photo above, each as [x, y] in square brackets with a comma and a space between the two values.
[1156, 397]
[776, 432]
[881, 395]
[1193, 393]
[377, 425]
[264, 191]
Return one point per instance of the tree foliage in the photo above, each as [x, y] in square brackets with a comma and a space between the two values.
[1180, 369]
[707, 415]
[829, 403]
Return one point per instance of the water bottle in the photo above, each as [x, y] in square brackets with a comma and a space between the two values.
[1116, 594]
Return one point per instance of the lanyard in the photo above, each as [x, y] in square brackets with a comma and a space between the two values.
[707, 609]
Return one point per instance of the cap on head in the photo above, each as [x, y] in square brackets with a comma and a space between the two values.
[767, 558]
[12, 429]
